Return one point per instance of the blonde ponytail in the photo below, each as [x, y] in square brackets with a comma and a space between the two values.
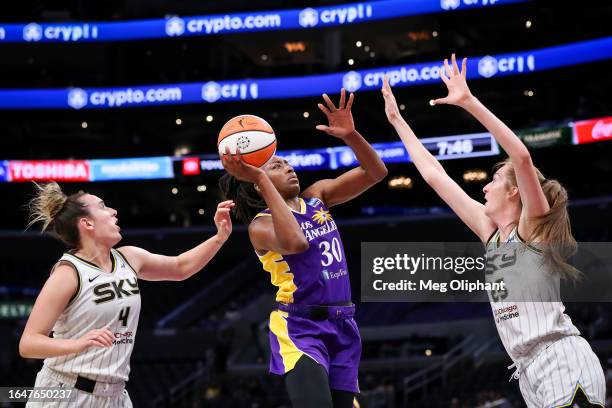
[54, 208]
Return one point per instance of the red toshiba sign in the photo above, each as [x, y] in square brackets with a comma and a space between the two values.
[593, 130]
[40, 170]
[191, 166]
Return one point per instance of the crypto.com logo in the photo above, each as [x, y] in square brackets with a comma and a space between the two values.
[77, 98]
[175, 27]
[309, 17]
[351, 81]
[211, 91]
[32, 32]
[487, 66]
[450, 4]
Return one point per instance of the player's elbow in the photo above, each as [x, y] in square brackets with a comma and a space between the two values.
[432, 176]
[522, 158]
[297, 245]
[181, 270]
[380, 173]
[24, 347]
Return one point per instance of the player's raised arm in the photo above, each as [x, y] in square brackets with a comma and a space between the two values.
[471, 212]
[371, 168]
[280, 232]
[532, 196]
[156, 267]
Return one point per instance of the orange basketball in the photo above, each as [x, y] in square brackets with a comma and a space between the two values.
[252, 135]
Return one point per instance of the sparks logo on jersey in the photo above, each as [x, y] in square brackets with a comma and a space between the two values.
[321, 216]
[108, 291]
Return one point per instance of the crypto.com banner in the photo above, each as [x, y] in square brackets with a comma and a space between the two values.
[487, 66]
[183, 26]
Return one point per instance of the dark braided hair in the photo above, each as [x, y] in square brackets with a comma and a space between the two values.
[248, 201]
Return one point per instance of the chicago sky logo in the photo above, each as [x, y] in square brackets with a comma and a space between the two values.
[77, 98]
[175, 27]
[351, 81]
[211, 91]
[450, 4]
[32, 32]
[309, 17]
[487, 66]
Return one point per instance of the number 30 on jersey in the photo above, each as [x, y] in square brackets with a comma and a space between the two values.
[330, 252]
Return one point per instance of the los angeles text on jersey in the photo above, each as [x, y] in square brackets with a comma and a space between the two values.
[430, 285]
[312, 233]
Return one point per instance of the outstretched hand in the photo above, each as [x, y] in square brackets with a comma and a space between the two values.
[454, 79]
[340, 119]
[391, 108]
[223, 220]
[238, 168]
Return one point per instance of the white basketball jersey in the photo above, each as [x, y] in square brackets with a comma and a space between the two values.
[528, 313]
[103, 300]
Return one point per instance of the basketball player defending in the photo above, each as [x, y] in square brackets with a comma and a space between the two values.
[91, 301]
[554, 365]
[314, 340]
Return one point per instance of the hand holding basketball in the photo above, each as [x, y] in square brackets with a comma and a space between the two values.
[340, 119]
[250, 134]
[458, 91]
[237, 167]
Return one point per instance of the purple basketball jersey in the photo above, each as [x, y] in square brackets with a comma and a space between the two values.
[319, 275]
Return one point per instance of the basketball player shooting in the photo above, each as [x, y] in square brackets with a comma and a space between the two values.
[314, 339]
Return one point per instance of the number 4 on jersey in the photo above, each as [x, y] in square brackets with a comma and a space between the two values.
[123, 316]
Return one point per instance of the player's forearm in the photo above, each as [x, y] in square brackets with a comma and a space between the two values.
[427, 165]
[40, 346]
[502, 133]
[286, 228]
[366, 155]
[197, 258]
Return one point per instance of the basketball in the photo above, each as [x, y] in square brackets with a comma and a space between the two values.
[252, 135]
